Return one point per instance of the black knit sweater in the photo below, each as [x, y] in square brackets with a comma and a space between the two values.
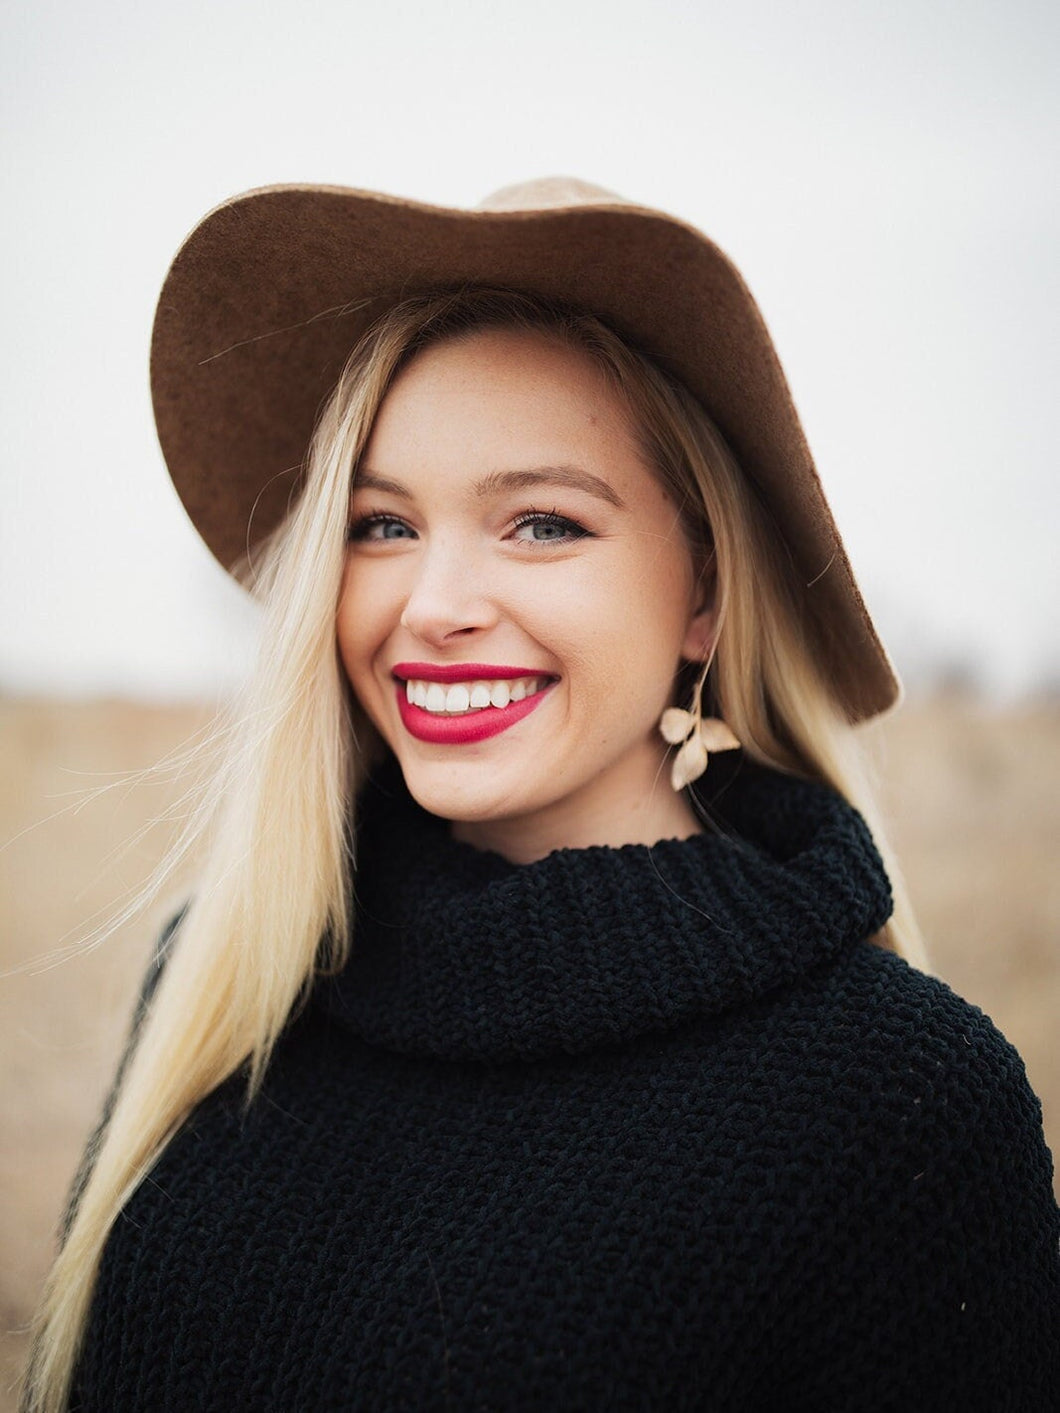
[645, 1128]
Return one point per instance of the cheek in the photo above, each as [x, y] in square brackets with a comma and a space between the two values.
[619, 631]
[358, 631]
[648, 634]
[646, 600]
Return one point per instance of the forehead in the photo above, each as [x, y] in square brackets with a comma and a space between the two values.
[494, 398]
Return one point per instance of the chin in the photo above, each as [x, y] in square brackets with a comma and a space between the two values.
[448, 792]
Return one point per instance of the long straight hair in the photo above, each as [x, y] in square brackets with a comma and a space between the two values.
[271, 908]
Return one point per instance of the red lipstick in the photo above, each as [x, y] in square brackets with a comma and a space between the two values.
[475, 725]
[461, 672]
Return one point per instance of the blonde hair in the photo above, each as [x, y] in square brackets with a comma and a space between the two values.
[271, 907]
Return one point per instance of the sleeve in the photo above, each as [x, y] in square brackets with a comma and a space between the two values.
[162, 949]
[939, 1284]
[148, 985]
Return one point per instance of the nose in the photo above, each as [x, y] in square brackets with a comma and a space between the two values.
[449, 597]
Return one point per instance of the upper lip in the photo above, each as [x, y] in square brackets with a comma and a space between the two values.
[462, 672]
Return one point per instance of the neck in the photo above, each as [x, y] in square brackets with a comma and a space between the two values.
[611, 818]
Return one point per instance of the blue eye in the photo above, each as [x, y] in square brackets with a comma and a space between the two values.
[547, 528]
[378, 527]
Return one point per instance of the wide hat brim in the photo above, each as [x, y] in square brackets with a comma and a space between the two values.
[269, 294]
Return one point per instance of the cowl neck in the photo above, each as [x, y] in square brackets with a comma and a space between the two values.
[460, 954]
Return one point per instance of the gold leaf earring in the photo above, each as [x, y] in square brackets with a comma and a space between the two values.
[697, 737]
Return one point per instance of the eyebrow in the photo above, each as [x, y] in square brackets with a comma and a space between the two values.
[496, 482]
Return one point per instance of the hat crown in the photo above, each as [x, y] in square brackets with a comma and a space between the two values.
[545, 193]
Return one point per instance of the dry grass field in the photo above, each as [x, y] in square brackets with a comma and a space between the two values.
[973, 797]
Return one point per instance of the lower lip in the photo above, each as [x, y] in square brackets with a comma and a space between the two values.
[463, 730]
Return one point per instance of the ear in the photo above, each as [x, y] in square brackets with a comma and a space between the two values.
[700, 634]
[702, 629]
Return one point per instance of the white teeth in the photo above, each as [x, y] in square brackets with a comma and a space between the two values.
[463, 697]
[457, 699]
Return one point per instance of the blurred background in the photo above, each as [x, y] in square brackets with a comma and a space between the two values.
[884, 176]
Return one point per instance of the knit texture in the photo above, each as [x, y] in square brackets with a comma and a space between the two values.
[639, 1128]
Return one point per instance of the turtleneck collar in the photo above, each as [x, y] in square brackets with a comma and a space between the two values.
[459, 954]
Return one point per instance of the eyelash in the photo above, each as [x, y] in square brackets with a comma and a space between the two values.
[574, 531]
[359, 530]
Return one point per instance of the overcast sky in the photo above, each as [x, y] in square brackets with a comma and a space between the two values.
[884, 174]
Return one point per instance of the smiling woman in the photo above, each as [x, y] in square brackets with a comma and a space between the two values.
[584, 668]
[512, 1052]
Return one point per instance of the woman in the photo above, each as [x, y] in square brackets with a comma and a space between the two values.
[513, 1052]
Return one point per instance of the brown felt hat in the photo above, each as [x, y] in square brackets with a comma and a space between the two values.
[271, 291]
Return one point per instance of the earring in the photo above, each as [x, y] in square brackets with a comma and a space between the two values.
[697, 736]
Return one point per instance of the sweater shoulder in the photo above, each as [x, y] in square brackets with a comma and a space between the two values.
[933, 1092]
[893, 1011]
[930, 1183]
